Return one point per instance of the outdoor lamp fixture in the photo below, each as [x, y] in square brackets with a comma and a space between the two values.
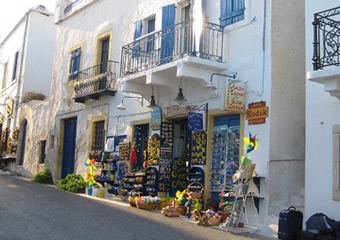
[152, 103]
[180, 99]
[211, 86]
[121, 106]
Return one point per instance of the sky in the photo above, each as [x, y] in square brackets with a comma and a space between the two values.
[12, 11]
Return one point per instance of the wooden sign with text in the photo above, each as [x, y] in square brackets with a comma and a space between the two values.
[234, 98]
[257, 113]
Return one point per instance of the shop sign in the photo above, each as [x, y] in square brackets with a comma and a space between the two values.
[156, 119]
[257, 113]
[234, 98]
[175, 111]
[195, 121]
[10, 106]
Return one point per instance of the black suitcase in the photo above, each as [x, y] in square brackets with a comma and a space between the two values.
[290, 223]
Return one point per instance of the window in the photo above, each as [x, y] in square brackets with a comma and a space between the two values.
[232, 11]
[15, 66]
[4, 77]
[74, 64]
[336, 157]
[98, 136]
[42, 154]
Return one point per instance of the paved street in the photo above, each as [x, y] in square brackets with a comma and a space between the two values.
[35, 211]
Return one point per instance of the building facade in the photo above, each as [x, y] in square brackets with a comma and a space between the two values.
[192, 76]
[27, 54]
[322, 97]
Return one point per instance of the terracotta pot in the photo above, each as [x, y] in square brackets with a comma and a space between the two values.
[224, 215]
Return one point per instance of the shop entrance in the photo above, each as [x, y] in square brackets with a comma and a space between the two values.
[140, 139]
[180, 156]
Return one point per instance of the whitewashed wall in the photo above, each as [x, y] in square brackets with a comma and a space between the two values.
[321, 114]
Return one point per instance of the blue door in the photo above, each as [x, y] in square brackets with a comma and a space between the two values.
[69, 146]
[168, 20]
[23, 143]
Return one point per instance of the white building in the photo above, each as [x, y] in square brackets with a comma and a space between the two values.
[111, 52]
[26, 56]
[322, 100]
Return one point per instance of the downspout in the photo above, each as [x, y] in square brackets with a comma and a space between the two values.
[19, 88]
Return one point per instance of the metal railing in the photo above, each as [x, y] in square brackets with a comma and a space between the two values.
[326, 42]
[99, 77]
[171, 44]
[75, 5]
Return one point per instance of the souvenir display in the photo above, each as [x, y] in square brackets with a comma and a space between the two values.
[224, 162]
[153, 150]
[134, 180]
[198, 148]
[165, 157]
[151, 182]
[179, 175]
[122, 170]
[124, 151]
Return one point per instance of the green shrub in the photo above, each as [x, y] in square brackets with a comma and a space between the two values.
[72, 183]
[44, 177]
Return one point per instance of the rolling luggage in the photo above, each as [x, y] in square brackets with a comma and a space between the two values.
[290, 223]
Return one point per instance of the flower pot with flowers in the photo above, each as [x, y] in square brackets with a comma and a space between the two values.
[181, 200]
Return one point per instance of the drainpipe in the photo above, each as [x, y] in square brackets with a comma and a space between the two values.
[19, 87]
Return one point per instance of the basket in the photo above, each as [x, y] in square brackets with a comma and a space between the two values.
[214, 221]
[171, 212]
[146, 206]
[195, 194]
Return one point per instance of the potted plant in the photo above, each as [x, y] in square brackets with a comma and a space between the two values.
[225, 210]
[181, 200]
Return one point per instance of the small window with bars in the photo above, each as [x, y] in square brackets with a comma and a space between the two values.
[42, 155]
[98, 137]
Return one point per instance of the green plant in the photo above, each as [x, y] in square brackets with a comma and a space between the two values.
[44, 177]
[72, 183]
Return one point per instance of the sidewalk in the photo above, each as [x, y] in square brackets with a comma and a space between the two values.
[248, 232]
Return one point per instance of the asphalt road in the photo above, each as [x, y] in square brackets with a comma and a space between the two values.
[35, 211]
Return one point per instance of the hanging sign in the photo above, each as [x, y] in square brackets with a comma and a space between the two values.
[176, 111]
[195, 121]
[257, 113]
[10, 106]
[156, 119]
[234, 97]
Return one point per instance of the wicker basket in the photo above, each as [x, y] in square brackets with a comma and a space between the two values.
[194, 194]
[146, 206]
[171, 212]
[122, 192]
[214, 221]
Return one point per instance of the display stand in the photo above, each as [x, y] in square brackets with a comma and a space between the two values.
[108, 170]
[151, 181]
[134, 181]
[240, 196]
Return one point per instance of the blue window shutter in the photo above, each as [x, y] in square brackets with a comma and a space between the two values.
[231, 11]
[15, 65]
[74, 63]
[168, 18]
[138, 29]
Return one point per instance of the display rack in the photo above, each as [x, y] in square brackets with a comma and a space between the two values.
[225, 157]
[151, 180]
[108, 169]
[240, 196]
[134, 181]
[165, 157]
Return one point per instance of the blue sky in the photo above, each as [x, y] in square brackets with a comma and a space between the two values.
[12, 11]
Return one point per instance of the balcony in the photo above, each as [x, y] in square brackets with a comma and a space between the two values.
[326, 51]
[75, 5]
[168, 45]
[96, 81]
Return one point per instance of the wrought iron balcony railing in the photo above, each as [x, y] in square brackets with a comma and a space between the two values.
[75, 5]
[326, 41]
[171, 44]
[96, 81]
